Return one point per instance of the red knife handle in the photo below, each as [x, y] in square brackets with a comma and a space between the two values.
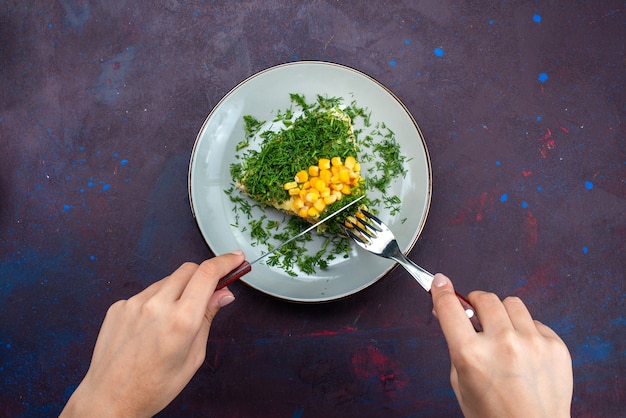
[233, 276]
[471, 312]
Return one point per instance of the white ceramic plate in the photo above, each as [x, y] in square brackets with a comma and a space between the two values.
[261, 96]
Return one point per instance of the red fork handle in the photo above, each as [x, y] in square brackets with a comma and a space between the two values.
[233, 276]
[470, 312]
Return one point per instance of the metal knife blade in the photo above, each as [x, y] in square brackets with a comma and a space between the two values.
[246, 266]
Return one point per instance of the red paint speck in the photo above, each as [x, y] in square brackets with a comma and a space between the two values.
[527, 173]
[547, 143]
[368, 362]
[475, 208]
[329, 333]
[530, 229]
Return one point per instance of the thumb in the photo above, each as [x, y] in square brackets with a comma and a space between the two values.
[448, 310]
[218, 300]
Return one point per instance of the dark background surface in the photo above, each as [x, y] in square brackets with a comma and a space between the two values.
[522, 107]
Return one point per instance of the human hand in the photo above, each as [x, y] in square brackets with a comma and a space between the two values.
[516, 367]
[152, 344]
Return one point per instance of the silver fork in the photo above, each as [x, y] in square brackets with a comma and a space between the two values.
[376, 237]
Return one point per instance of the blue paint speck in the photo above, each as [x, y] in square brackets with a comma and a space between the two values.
[491, 22]
[8, 345]
[538, 118]
[524, 205]
[538, 188]
[504, 197]
[498, 163]
[543, 77]
[123, 162]
[438, 52]
[92, 257]
[392, 63]
[66, 208]
[116, 155]
[537, 18]
[406, 42]
[90, 184]
[589, 185]
[106, 187]
[585, 250]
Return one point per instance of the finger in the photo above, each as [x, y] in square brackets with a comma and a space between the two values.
[452, 317]
[454, 381]
[519, 315]
[493, 316]
[172, 287]
[149, 291]
[202, 284]
[545, 330]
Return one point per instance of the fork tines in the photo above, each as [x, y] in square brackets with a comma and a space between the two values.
[366, 228]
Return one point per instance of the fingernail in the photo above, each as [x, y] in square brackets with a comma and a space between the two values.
[440, 280]
[225, 300]
[237, 252]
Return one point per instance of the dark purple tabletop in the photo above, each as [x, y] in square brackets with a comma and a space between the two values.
[522, 107]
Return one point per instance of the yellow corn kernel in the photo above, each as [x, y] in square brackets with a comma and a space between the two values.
[303, 212]
[325, 192]
[319, 184]
[350, 221]
[319, 205]
[344, 175]
[350, 162]
[290, 185]
[312, 212]
[298, 203]
[312, 196]
[337, 194]
[330, 199]
[324, 163]
[302, 176]
[336, 161]
[314, 171]
[356, 168]
[346, 190]
[294, 192]
[325, 175]
[336, 186]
